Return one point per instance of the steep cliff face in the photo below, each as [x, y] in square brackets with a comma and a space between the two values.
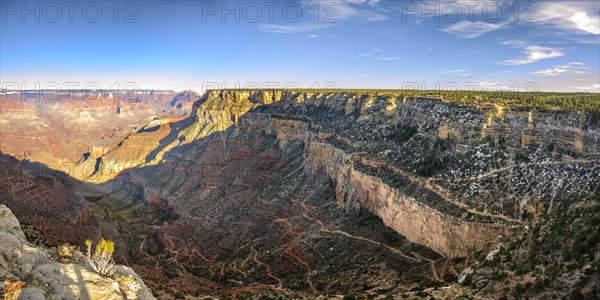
[450, 234]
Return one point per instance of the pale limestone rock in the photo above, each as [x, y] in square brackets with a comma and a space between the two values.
[71, 281]
[32, 293]
[464, 274]
[9, 223]
[492, 254]
[134, 289]
[47, 279]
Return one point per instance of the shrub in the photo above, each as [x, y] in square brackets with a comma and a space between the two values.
[12, 289]
[65, 251]
[101, 260]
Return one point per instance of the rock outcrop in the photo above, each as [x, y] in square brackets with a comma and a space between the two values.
[30, 272]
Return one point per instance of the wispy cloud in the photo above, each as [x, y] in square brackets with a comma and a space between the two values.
[369, 2]
[314, 36]
[388, 58]
[592, 87]
[361, 11]
[376, 52]
[570, 68]
[459, 72]
[472, 29]
[581, 17]
[515, 43]
[296, 28]
[532, 54]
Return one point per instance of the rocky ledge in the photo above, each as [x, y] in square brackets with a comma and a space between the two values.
[31, 272]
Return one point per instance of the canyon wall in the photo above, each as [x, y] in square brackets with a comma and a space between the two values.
[447, 234]
[455, 178]
[352, 137]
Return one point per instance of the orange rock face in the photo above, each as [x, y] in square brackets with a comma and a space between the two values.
[62, 130]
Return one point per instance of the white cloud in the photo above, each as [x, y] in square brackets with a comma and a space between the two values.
[297, 28]
[532, 54]
[371, 52]
[452, 10]
[577, 16]
[514, 43]
[459, 72]
[592, 87]
[570, 68]
[388, 58]
[355, 10]
[469, 30]
[369, 2]
[314, 36]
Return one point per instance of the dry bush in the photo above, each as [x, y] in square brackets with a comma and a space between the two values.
[65, 251]
[101, 260]
[12, 289]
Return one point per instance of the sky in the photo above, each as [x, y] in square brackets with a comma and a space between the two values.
[195, 45]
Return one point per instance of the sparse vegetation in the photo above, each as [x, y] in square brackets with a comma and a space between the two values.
[65, 251]
[559, 250]
[12, 289]
[430, 165]
[542, 100]
[403, 133]
[101, 260]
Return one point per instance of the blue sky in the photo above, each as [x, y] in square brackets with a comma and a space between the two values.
[517, 45]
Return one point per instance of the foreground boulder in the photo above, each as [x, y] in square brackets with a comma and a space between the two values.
[30, 272]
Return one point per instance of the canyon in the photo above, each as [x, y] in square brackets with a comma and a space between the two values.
[293, 193]
[63, 128]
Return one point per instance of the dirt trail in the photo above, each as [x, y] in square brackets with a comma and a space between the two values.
[323, 228]
[439, 190]
[267, 267]
[544, 163]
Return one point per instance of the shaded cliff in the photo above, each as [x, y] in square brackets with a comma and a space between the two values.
[455, 178]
